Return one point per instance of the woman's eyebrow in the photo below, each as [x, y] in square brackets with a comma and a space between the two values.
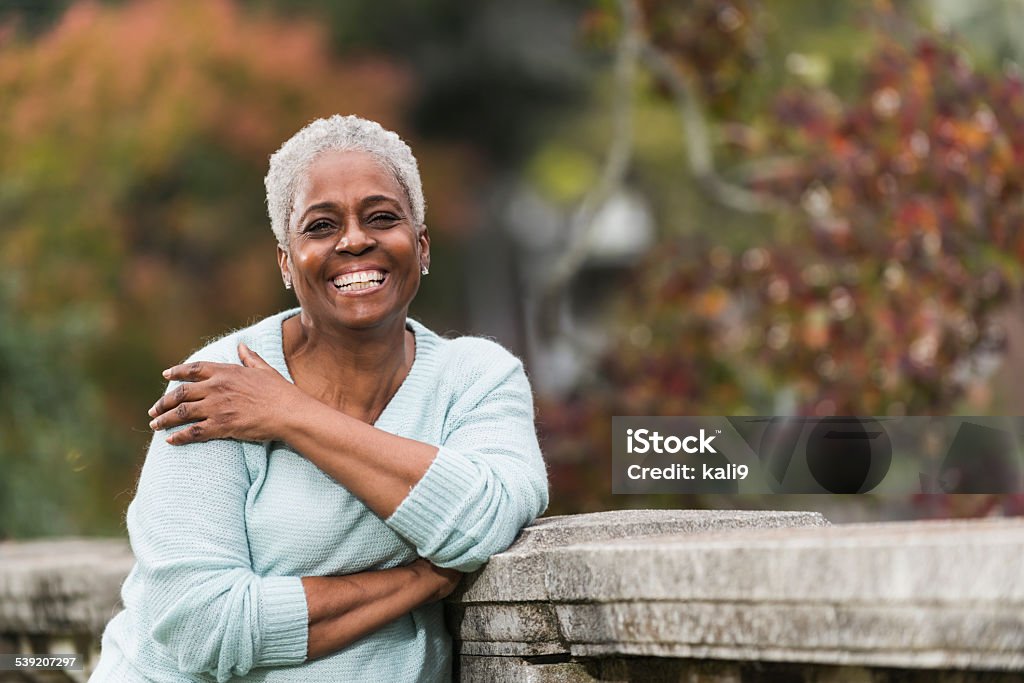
[374, 198]
[319, 206]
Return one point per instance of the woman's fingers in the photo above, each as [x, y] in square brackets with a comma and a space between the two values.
[181, 413]
[250, 358]
[238, 402]
[194, 433]
[193, 372]
[183, 392]
[442, 582]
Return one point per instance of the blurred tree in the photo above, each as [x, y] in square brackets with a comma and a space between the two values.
[838, 208]
[30, 17]
[488, 73]
[898, 214]
[994, 30]
[49, 426]
[133, 141]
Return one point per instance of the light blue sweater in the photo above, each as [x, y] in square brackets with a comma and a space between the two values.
[222, 531]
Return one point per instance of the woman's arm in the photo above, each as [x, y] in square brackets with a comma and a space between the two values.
[343, 609]
[256, 403]
[458, 503]
[193, 589]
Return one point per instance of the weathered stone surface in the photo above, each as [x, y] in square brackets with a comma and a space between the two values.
[975, 562]
[68, 586]
[511, 649]
[564, 530]
[529, 622]
[496, 669]
[914, 638]
[934, 595]
[519, 573]
[654, 670]
[700, 597]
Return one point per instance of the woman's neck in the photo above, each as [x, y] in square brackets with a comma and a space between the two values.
[354, 371]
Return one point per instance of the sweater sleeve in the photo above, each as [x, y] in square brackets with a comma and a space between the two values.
[193, 582]
[488, 479]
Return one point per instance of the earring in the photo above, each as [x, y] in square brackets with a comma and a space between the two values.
[425, 271]
[288, 283]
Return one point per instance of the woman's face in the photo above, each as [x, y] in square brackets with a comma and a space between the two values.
[354, 254]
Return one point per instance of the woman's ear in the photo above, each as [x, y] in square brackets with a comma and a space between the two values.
[424, 242]
[282, 262]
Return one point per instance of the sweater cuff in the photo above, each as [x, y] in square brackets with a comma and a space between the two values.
[428, 507]
[285, 621]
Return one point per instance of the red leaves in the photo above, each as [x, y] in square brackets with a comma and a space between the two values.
[911, 198]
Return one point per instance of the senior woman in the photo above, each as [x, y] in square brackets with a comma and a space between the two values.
[319, 480]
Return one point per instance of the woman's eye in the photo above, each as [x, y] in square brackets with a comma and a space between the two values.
[318, 226]
[383, 219]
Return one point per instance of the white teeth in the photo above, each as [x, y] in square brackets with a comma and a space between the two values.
[356, 286]
[363, 279]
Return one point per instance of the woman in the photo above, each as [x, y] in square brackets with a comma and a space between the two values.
[320, 480]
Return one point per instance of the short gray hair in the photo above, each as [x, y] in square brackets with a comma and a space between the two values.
[338, 133]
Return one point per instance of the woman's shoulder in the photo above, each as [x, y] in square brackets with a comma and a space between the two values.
[467, 359]
[258, 336]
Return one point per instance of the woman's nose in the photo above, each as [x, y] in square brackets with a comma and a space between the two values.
[354, 239]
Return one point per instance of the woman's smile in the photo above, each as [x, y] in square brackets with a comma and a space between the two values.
[360, 282]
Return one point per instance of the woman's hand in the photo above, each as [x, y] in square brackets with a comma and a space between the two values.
[439, 580]
[225, 401]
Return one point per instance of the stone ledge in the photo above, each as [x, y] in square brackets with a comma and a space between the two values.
[655, 670]
[519, 573]
[917, 595]
[61, 587]
[700, 596]
[564, 530]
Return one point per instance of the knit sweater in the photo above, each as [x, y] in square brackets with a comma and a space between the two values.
[223, 531]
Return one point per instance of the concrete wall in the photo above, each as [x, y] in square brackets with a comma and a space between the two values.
[695, 596]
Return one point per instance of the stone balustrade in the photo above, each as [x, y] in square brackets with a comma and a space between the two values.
[695, 596]
[56, 596]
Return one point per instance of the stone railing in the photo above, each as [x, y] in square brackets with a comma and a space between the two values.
[56, 597]
[723, 597]
[696, 596]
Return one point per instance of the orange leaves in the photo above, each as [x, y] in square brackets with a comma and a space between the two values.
[133, 140]
[162, 71]
[814, 332]
[711, 302]
[916, 215]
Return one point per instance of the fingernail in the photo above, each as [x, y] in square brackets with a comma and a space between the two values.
[152, 424]
[166, 373]
[152, 412]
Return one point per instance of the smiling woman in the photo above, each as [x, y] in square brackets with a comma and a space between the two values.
[319, 481]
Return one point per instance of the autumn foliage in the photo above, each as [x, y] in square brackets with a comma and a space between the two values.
[874, 294]
[133, 142]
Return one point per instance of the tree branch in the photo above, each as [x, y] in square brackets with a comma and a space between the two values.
[698, 139]
[620, 150]
[616, 163]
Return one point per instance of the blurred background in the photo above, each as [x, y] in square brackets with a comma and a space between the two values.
[665, 207]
